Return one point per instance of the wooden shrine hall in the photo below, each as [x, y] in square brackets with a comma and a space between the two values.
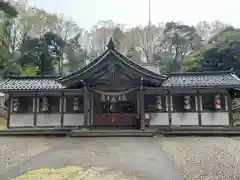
[114, 91]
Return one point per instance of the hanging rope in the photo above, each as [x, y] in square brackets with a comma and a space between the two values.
[109, 93]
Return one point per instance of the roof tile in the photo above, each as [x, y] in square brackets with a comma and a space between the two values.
[30, 83]
[202, 79]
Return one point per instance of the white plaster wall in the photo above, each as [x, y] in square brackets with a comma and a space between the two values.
[215, 118]
[73, 120]
[49, 119]
[21, 120]
[189, 118]
[159, 119]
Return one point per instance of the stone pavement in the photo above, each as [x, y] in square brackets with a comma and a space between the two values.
[141, 156]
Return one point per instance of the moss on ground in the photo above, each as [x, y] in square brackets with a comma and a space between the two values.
[75, 173]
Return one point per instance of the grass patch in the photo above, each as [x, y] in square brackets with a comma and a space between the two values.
[3, 123]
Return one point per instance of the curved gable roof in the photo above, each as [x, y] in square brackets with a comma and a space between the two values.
[127, 62]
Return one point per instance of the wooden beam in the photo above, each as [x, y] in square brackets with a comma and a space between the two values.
[9, 111]
[199, 108]
[35, 110]
[62, 108]
[230, 112]
[86, 99]
[142, 114]
[141, 101]
[169, 108]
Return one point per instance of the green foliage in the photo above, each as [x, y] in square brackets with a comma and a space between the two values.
[42, 52]
[7, 8]
[134, 55]
[221, 53]
[29, 71]
[178, 40]
[38, 42]
[75, 54]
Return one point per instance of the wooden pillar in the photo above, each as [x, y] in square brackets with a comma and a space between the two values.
[169, 96]
[62, 108]
[138, 103]
[86, 107]
[35, 109]
[91, 108]
[142, 114]
[230, 113]
[141, 102]
[199, 109]
[9, 110]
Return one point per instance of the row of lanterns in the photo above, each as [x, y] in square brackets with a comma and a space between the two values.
[76, 102]
[187, 102]
[44, 104]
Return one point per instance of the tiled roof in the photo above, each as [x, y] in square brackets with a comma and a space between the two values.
[216, 79]
[30, 83]
[108, 57]
[202, 79]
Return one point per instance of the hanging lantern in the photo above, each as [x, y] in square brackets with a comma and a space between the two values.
[76, 104]
[217, 102]
[187, 104]
[159, 103]
[44, 104]
[15, 105]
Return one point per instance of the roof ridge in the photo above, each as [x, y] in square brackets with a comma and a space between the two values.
[33, 77]
[201, 73]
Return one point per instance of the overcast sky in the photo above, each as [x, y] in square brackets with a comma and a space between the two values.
[135, 12]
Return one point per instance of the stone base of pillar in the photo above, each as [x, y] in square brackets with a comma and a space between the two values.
[142, 125]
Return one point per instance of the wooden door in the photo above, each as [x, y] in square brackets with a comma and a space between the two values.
[119, 117]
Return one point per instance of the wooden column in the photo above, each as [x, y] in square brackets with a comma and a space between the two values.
[9, 110]
[138, 103]
[199, 108]
[169, 107]
[91, 108]
[62, 108]
[230, 113]
[35, 110]
[142, 114]
[86, 107]
[141, 103]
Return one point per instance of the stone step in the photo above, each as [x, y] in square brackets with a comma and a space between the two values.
[200, 133]
[33, 133]
[111, 134]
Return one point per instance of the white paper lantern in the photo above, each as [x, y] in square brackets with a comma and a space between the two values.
[217, 102]
[187, 104]
[76, 104]
[44, 104]
[15, 104]
[159, 103]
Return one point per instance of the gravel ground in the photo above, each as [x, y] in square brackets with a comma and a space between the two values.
[204, 158]
[14, 151]
[132, 158]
